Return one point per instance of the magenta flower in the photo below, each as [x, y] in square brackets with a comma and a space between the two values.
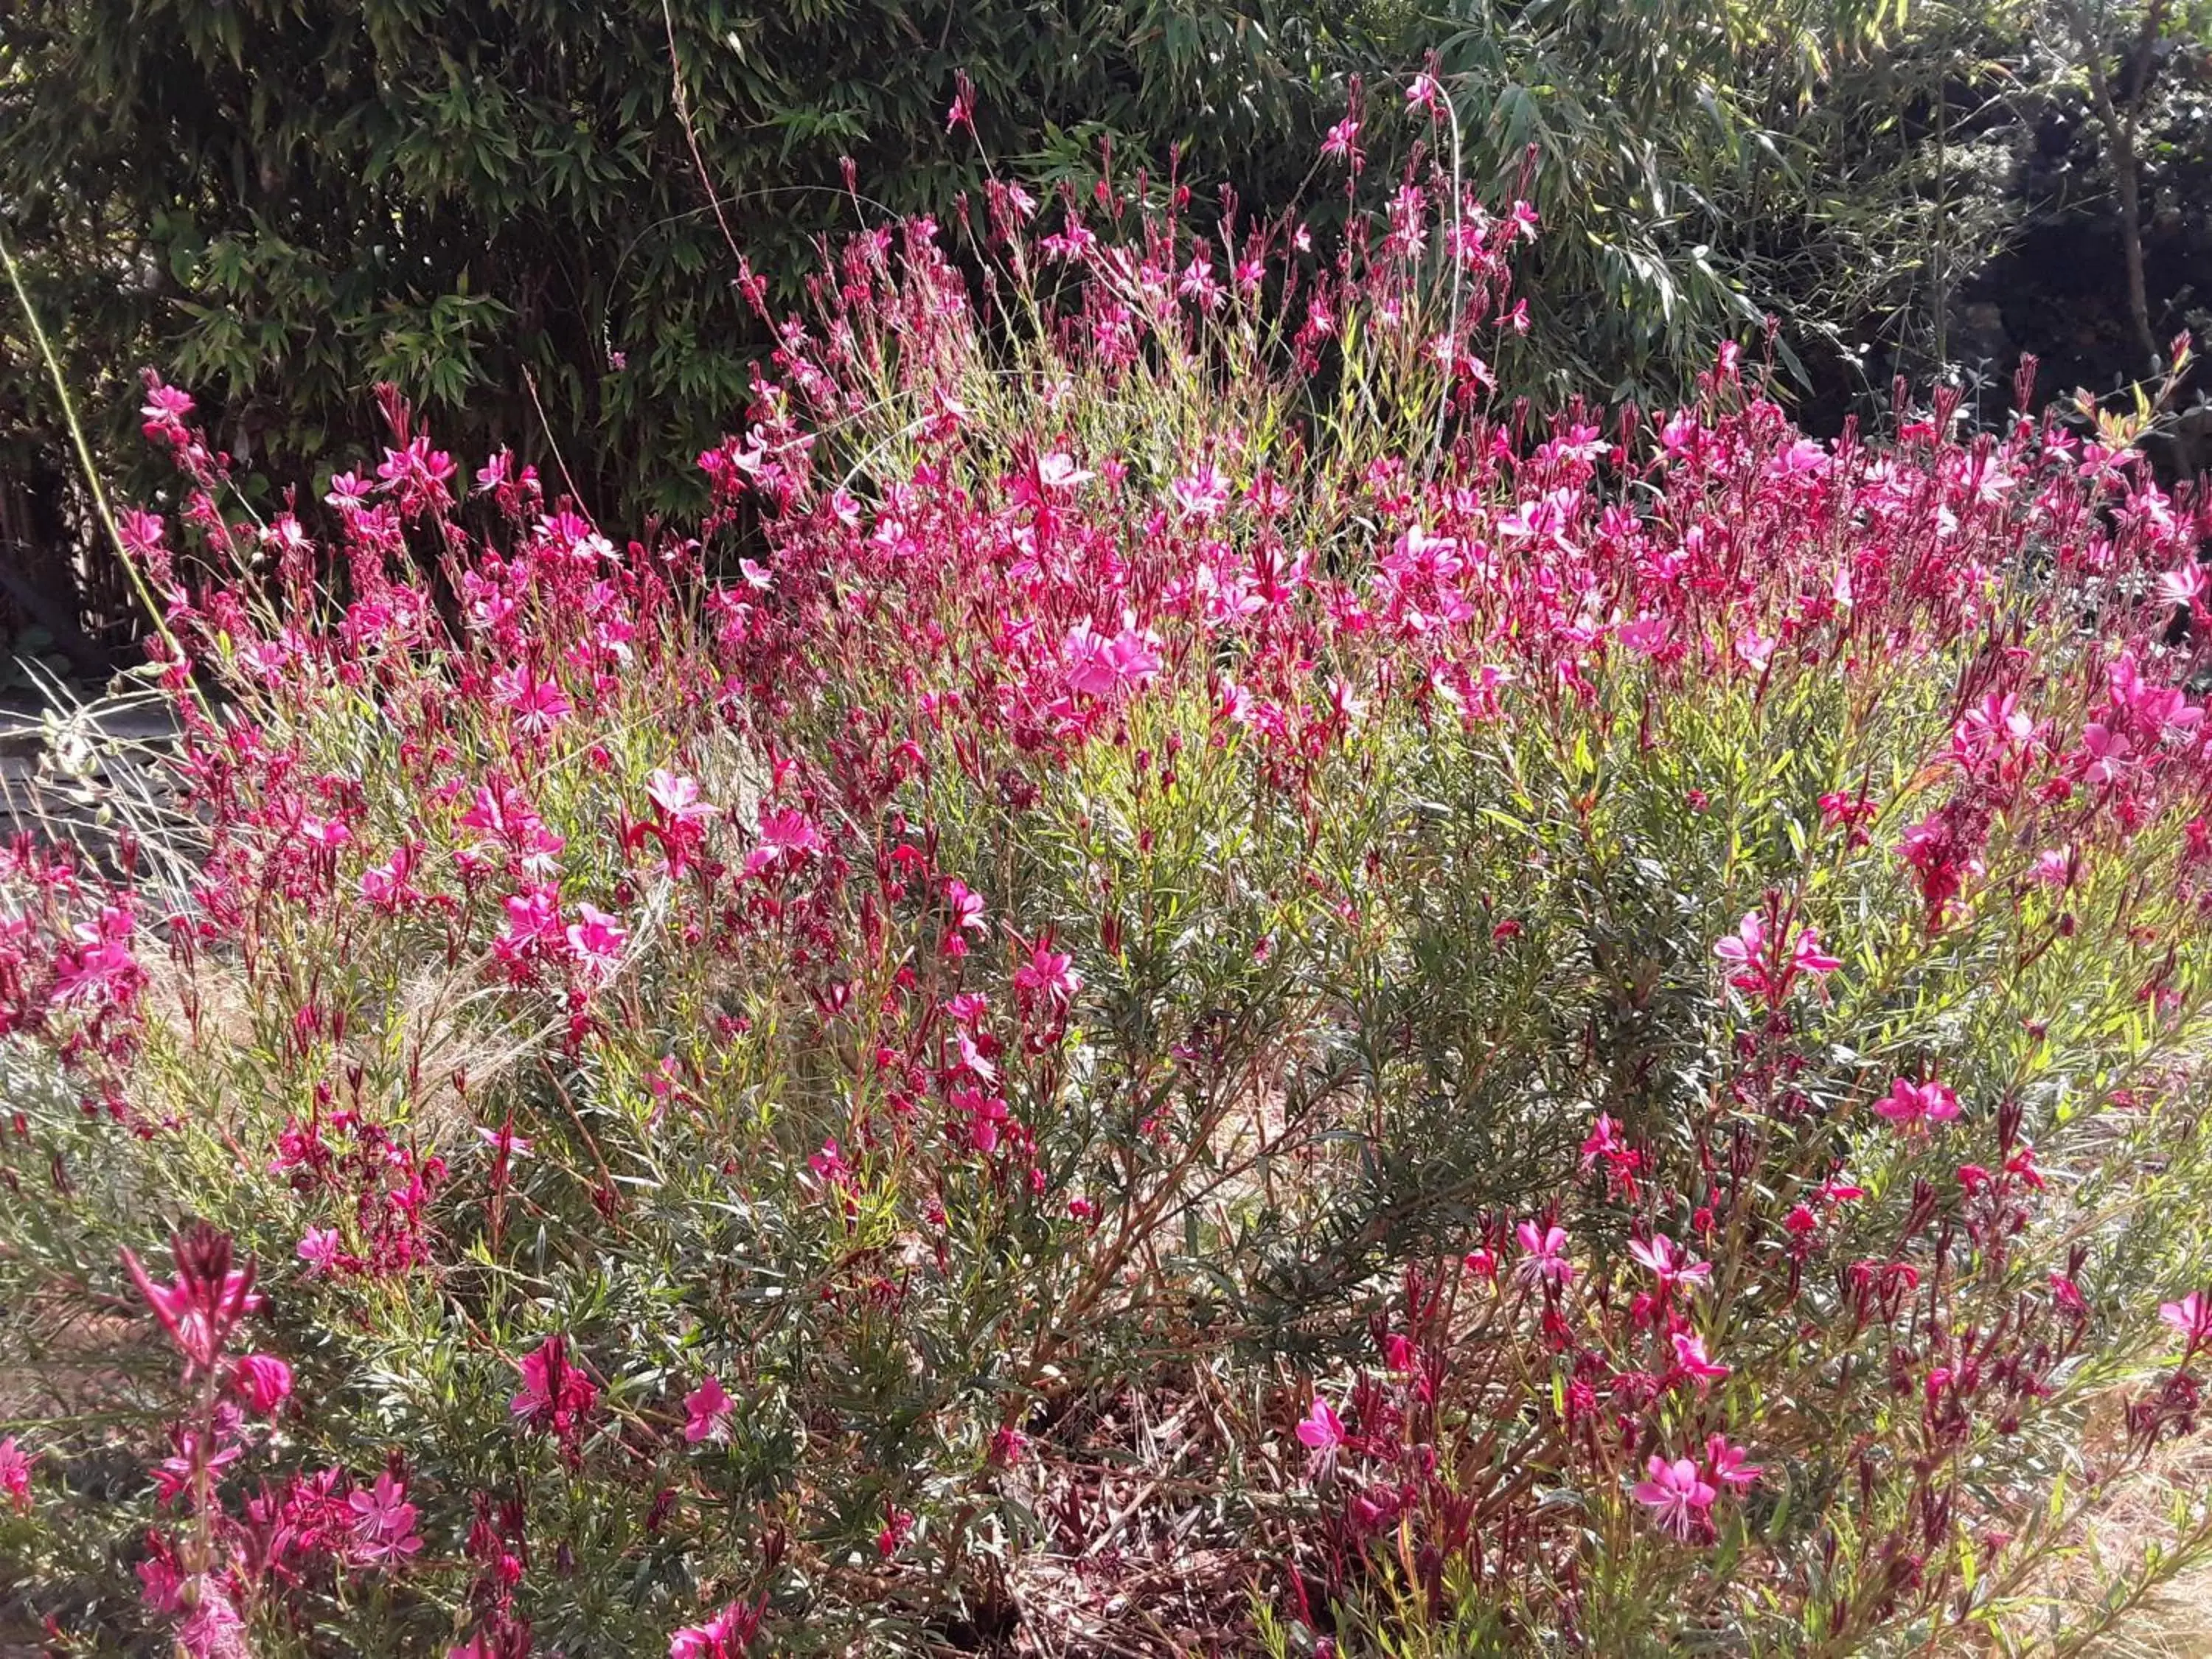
[1099, 666]
[788, 835]
[726, 1635]
[1726, 1465]
[1913, 1106]
[708, 1408]
[207, 1299]
[14, 1474]
[1744, 949]
[556, 1396]
[1049, 975]
[677, 796]
[264, 1381]
[1320, 1429]
[1057, 471]
[1658, 1256]
[1690, 1355]
[537, 704]
[318, 1248]
[597, 940]
[384, 1522]
[533, 920]
[504, 1141]
[1544, 1256]
[2191, 1317]
[1677, 1498]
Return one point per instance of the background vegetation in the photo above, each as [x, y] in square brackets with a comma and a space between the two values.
[498, 208]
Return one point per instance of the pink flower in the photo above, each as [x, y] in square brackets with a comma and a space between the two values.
[677, 796]
[1098, 666]
[538, 704]
[708, 1407]
[1744, 949]
[1056, 471]
[503, 1141]
[1677, 1498]
[1690, 1355]
[1807, 956]
[1342, 143]
[318, 1248]
[263, 1380]
[14, 1474]
[898, 1525]
[962, 114]
[1913, 1106]
[555, 1395]
[1544, 1256]
[2191, 1317]
[597, 940]
[533, 917]
[968, 917]
[2182, 585]
[1049, 975]
[726, 1635]
[1726, 1465]
[1658, 1256]
[786, 836]
[205, 1302]
[383, 1522]
[1321, 1429]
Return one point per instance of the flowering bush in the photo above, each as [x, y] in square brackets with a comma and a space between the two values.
[1171, 987]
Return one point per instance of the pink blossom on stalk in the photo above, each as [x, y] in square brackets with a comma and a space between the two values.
[14, 1474]
[2191, 1317]
[1677, 1498]
[708, 1409]
[1807, 956]
[384, 1522]
[207, 1297]
[786, 836]
[968, 917]
[1745, 950]
[2054, 867]
[898, 1525]
[1049, 975]
[1321, 1429]
[1544, 1256]
[726, 1635]
[1658, 1255]
[1058, 470]
[597, 940]
[1690, 1355]
[962, 114]
[677, 796]
[2182, 585]
[318, 1248]
[538, 704]
[1749, 953]
[1342, 143]
[1725, 1464]
[1098, 666]
[533, 919]
[263, 1380]
[1913, 1106]
[555, 1395]
[504, 1141]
